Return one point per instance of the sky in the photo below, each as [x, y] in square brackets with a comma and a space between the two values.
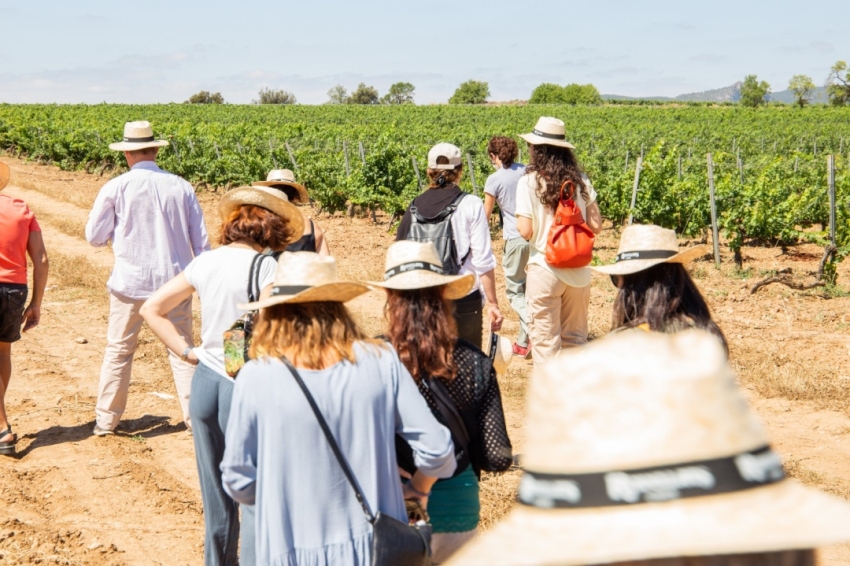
[94, 51]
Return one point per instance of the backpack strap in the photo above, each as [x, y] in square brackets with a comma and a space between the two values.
[446, 212]
[254, 275]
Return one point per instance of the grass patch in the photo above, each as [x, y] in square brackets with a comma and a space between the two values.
[77, 271]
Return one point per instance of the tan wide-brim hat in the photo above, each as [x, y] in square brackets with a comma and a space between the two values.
[277, 177]
[270, 199]
[501, 352]
[641, 446]
[137, 135]
[548, 131]
[307, 277]
[645, 245]
[5, 175]
[417, 265]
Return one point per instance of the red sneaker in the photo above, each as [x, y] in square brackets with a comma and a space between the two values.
[521, 351]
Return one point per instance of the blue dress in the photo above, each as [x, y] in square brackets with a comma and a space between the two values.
[277, 458]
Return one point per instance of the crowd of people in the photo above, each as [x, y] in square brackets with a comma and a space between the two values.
[310, 435]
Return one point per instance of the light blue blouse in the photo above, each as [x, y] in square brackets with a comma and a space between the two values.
[276, 455]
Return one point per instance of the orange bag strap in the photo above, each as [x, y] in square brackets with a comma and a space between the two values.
[572, 189]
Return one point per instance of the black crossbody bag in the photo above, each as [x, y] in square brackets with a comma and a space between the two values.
[393, 543]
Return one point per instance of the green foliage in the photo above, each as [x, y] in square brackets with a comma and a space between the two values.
[337, 95]
[205, 97]
[471, 92]
[753, 92]
[269, 96]
[363, 94]
[399, 93]
[582, 94]
[548, 93]
[838, 84]
[802, 87]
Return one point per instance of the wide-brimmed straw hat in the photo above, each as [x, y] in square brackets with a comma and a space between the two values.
[307, 277]
[645, 245]
[500, 352]
[137, 135]
[548, 131]
[270, 199]
[277, 177]
[417, 265]
[447, 150]
[4, 176]
[642, 446]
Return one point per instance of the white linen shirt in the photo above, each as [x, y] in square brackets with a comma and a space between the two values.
[472, 233]
[156, 226]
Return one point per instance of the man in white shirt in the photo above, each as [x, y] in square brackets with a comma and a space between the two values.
[156, 227]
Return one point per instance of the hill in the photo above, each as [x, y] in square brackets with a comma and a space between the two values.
[731, 93]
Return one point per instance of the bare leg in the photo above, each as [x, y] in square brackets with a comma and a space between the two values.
[5, 376]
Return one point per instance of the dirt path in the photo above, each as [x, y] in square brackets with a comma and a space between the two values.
[71, 498]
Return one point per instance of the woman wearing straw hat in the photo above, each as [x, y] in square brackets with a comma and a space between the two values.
[253, 219]
[640, 449]
[655, 291]
[557, 298]
[455, 378]
[306, 346]
[313, 239]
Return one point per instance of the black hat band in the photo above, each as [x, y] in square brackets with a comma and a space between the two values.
[645, 254]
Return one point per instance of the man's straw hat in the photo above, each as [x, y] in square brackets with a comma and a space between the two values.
[501, 352]
[645, 245]
[4, 176]
[548, 131]
[270, 199]
[417, 265]
[277, 177]
[642, 446]
[307, 277]
[137, 135]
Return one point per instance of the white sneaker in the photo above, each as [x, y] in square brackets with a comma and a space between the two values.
[102, 431]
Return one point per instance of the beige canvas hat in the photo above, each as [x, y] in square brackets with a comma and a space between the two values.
[417, 265]
[307, 277]
[548, 131]
[501, 352]
[137, 135]
[645, 245]
[270, 199]
[277, 177]
[447, 150]
[4, 176]
[641, 445]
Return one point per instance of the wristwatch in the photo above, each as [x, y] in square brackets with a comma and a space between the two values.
[185, 355]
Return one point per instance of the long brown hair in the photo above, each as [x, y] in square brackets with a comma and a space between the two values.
[780, 558]
[423, 332]
[555, 165]
[313, 335]
[250, 223]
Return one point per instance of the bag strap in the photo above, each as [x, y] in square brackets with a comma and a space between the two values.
[343, 463]
[443, 214]
[448, 409]
[572, 189]
[254, 276]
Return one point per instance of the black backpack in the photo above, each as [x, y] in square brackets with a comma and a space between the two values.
[438, 230]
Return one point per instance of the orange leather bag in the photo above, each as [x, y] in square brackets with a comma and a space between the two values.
[570, 240]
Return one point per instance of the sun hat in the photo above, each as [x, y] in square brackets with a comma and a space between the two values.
[501, 352]
[270, 199]
[137, 135]
[277, 177]
[307, 277]
[548, 131]
[417, 265]
[4, 176]
[447, 150]
[640, 446]
[645, 245]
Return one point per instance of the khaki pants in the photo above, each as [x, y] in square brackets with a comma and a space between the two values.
[125, 323]
[557, 313]
[514, 261]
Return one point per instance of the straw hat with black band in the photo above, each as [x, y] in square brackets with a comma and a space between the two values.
[270, 199]
[5, 175]
[284, 177]
[548, 131]
[645, 245]
[416, 265]
[137, 135]
[642, 446]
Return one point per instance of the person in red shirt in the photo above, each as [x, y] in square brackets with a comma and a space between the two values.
[19, 235]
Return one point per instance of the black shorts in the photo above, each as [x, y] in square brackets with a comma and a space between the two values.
[13, 301]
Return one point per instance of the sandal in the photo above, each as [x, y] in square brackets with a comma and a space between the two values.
[8, 448]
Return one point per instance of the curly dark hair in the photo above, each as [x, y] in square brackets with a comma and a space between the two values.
[250, 223]
[423, 331]
[503, 148]
[555, 165]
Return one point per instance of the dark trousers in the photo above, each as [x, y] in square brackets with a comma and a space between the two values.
[469, 317]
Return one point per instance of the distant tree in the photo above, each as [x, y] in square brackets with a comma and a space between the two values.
[471, 92]
[337, 95]
[838, 84]
[582, 94]
[548, 93]
[753, 92]
[205, 97]
[802, 87]
[399, 93]
[269, 96]
[364, 95]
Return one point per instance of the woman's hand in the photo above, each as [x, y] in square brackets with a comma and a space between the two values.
[411, 494]
[192, 358]
[496, 317]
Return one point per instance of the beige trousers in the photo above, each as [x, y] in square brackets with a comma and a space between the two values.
[557, 313]
[122, 335]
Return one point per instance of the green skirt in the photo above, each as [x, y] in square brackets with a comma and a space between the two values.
[454, 506]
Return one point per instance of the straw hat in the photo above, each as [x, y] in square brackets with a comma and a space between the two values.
[447, 150]
[307, 277]
[4, 176]
[277, 177]
[417, 265]
[501, 352]
[645, 245]
[548, 131]
[274, 201]
[137, 135]
[641, 446]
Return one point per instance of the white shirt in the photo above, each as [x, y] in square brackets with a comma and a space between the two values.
[221, 279]
[156, 226]
[472, 233]
[529, 205]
